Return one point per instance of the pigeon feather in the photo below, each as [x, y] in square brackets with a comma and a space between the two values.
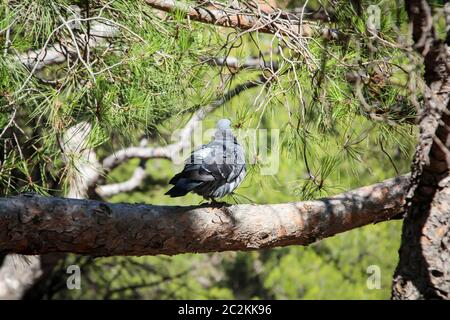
[213, 170]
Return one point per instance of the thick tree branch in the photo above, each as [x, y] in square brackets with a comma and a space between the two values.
[37, 225]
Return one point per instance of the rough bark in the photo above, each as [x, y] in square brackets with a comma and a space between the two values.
[35, 225]
[423, 271]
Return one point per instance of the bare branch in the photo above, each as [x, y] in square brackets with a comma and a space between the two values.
[235, 63]
[131, 184]
[37, 225]
[134, 182]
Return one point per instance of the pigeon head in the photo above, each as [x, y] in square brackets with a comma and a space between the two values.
[223, 130]
[223, 124]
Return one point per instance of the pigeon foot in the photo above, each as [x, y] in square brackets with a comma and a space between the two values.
[217, 203]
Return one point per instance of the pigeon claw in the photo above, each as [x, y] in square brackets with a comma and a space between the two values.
[216, 203]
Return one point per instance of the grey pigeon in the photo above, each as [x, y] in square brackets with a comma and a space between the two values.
[213, 170]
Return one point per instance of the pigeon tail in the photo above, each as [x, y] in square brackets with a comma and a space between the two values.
[176, 192]
[182, 187]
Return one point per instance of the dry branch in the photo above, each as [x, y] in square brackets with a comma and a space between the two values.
[236, 64]
[32, 224]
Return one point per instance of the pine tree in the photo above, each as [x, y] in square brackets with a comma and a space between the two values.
[91, 93]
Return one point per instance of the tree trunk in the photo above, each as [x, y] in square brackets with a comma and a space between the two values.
[423, 271]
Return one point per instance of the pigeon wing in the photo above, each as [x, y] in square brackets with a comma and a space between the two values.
[194, 167]
[219, 160]
[225, 161]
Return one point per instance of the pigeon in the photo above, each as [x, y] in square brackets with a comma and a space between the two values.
[214, 169]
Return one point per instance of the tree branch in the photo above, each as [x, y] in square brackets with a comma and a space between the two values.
[134, 182]
[56, 53]
[84, 167]
[37, 225]
[100, 32]
[240, 18]
[236, 64]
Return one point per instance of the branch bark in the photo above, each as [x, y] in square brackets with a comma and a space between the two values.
[35, 225]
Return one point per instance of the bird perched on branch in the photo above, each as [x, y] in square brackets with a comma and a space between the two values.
[213, 170]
